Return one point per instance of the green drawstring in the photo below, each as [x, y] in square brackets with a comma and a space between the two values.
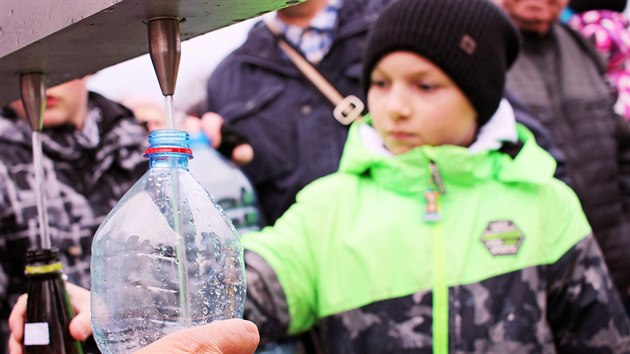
[440, 287]
[440, 293]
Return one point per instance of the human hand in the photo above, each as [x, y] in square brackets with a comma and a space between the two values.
[80, 326]
[220, 337]
[212, 125]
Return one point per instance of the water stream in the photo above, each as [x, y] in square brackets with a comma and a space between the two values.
[40, 193]
[182, 267]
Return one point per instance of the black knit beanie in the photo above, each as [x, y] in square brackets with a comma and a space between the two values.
[588, 5]
[472, 41]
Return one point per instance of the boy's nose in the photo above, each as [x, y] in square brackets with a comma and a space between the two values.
[398, 103]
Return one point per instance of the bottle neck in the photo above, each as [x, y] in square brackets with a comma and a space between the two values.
[168, 160]
[168, 148]
[43, 269]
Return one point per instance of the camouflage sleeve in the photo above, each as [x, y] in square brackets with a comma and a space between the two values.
[266, 303]
[5, 307]
[6, 195]
[585, 311]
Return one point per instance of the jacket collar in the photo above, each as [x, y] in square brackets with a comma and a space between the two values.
[410, 172]
[500, 129]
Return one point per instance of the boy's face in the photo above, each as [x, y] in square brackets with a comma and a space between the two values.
[65, 104]
[414, 103]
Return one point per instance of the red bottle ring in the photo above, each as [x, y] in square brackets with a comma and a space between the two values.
[159, 150]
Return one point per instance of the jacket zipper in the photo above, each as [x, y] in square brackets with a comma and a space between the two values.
[432, 195]
[440, 287]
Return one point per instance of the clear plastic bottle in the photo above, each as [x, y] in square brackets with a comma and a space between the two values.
[226, 183]
[48, 310]
[166, 257]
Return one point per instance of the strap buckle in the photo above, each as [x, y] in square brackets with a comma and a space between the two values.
[348, 109]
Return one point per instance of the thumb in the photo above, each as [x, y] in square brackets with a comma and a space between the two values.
[235, 336]
[243, 154]
[220, 337]
[211, 125]
[80, 326]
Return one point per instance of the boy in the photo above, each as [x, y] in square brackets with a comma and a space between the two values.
[444, 229]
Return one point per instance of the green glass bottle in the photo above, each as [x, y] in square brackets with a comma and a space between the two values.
[48, 311]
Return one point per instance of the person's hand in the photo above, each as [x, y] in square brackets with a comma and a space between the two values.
[211, 124]
[220, 337]
[80, 326]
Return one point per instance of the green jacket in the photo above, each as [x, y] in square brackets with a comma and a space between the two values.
[511, 266]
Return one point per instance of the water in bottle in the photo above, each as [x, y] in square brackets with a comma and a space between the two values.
[165, 258]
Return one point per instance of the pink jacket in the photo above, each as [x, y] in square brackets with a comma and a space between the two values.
[611, 36]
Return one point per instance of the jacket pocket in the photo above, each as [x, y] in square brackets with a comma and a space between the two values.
[593, 118]
[250, 106]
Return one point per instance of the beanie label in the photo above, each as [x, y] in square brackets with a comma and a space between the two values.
[468, 44]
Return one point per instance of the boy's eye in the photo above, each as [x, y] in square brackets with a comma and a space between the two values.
[425, 86]
[379, 83]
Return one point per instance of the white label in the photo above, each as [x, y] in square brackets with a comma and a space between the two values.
[36, 334]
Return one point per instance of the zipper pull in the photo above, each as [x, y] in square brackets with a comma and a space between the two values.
[432, 195]
[436, 178]
[431, 213]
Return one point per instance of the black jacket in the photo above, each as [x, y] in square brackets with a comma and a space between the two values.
[560, 80]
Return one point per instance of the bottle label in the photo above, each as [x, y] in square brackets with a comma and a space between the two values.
[36, 333]
[43, 269]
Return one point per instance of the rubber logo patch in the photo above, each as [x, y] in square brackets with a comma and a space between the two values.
[502, 238]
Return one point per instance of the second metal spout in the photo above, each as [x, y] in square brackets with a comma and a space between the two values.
[33, 90]
[165, 51]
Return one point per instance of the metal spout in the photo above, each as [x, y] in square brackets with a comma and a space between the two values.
[165, 50]
[33, 90]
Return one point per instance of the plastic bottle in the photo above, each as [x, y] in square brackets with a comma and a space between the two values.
[48, 310]
[226, 183]
[165, 258]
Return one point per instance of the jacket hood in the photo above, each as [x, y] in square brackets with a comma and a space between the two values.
[410, 172]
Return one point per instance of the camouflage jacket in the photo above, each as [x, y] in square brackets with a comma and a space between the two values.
[86, 173]
[502, 260]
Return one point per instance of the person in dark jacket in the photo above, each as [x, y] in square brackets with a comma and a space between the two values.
[92, 154]
[560, 78]
[288, 122]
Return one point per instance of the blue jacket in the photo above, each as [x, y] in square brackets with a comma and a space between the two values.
[289, 122]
